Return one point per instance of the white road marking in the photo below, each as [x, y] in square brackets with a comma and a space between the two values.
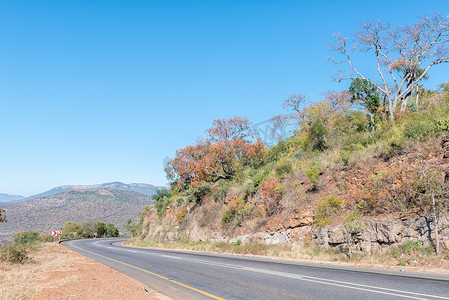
[349, 285]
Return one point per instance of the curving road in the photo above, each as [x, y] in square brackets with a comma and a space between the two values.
[187, 275]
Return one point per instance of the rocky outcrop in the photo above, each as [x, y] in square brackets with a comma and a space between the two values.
[376, 235]
[379, 235]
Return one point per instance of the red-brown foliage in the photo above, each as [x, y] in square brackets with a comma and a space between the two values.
[229, 143]
[271, 191]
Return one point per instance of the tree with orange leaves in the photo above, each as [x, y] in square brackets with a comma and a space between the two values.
[228, 143]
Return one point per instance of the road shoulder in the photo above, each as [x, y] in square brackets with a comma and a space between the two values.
[59, 273]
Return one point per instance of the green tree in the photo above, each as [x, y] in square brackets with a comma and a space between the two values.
[27, 237]
[89, 228]
[101, 229]
[317, 134]
[111, 230]
[133, 228]
[2, 215]
[364, 92]
[161, 200]
[71, 227]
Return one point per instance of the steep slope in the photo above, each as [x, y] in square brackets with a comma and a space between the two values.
[379, 189]
[50, 213]
[143, 188]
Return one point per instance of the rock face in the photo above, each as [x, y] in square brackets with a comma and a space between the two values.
[379, 235]
[374, 236]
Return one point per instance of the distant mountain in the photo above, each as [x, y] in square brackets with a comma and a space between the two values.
[10, 198]
[143, 188]
[50, 213]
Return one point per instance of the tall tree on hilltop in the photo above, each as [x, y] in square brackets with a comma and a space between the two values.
[403, 55]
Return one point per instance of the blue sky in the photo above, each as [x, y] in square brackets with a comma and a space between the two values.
[98, 91]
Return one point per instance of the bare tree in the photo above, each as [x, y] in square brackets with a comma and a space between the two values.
[433, 191]
[403, 55]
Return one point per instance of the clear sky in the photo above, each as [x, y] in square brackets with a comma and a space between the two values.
[99, 91]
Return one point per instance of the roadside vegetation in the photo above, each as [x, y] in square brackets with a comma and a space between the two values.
[373, 118]
[409, 254]
[89, 229]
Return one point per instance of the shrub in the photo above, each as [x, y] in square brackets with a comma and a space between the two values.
[412, 106]
[259, 177]
[313, 174]
[411, 246]
[283, 169]
[46, 238]
[271, 190]
[352, 227]
[220, 191]
[442, 123]
[419, 129]
[415, 247]
[345, 156]
[326, 209]
[228, 215]
[277, 151]
[27, 237]
[14, 254]
[181, 215]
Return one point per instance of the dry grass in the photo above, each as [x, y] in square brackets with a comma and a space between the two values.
[21, 281]
[395, 258]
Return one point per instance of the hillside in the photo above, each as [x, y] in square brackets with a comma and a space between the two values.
[50, 213]
[337, 182]
[143, 188]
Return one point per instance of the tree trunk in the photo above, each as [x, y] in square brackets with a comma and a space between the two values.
[417, 97]
[437, 240]
[373, 126]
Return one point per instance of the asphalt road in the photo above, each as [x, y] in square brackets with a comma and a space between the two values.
[187, 275]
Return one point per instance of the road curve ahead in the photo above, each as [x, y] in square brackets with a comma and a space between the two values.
[187, 275]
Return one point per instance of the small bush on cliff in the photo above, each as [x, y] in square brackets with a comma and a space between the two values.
[326, 209]
[161, 200]
[352, 227]
[313, 174]
[282, 169]
[271, 190]
[181, 215]
[237, 211]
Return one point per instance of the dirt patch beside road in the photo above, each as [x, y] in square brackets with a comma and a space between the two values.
[56, 272]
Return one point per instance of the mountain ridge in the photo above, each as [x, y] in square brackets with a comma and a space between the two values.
[6, 198]
[143, 188]
[50, 213]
